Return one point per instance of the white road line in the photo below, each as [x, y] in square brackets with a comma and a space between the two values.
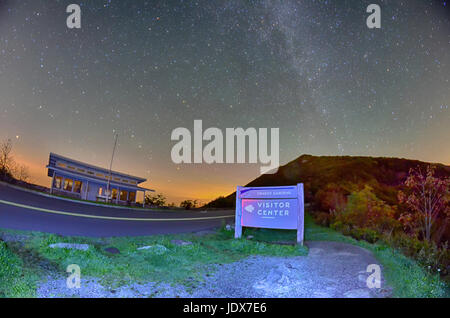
[109, 217]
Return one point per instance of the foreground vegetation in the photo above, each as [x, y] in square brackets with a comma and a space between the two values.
[23, 263]
[178, 264]
[16, 280]
[403, 203]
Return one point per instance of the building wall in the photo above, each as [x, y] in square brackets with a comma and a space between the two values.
[68, 185]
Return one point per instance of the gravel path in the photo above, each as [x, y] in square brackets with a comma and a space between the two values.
[331, 269]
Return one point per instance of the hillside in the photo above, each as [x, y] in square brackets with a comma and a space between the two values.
[342, 174]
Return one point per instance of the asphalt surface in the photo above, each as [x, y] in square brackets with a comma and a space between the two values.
[23, 210]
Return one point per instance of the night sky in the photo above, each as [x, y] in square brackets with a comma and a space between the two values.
[143, 68]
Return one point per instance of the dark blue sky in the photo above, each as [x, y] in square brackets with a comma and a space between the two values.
[143, 68]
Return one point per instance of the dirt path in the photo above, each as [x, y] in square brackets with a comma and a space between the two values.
[330, 270]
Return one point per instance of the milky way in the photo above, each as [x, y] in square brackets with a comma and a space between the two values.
[143, 68]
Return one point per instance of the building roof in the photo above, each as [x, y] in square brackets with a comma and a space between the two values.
[98, 180]
[54, 159]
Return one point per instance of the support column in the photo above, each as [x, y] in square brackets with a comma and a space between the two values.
[143, 200]
[301, 214]
[237, 223]
[53, 182]
[87, 190]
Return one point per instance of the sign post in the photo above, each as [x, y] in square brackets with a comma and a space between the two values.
[272, 208]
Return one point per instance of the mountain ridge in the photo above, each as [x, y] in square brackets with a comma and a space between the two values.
[345, 173]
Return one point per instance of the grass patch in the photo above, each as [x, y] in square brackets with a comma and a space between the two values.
[178, 264]
[188, 264]
[16, 280]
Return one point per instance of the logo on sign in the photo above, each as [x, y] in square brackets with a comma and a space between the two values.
[249, 208]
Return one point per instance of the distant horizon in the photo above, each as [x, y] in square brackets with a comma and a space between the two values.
[46, 181]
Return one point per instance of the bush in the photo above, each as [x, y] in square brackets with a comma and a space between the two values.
[155, 200]
[188, 204]
[427, 253]
[366, 234]
[323, 218]
[365, 211]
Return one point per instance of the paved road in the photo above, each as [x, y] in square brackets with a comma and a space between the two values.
[23, 210]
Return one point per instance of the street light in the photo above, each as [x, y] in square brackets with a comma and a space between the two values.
[108, 192]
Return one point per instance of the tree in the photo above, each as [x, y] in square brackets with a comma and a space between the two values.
[156, 200]
[6, 159]
[22, 173]
[189, 204]
[365, 210]
[426, 197]
[331, 198]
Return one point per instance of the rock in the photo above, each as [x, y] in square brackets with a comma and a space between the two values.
[362, 278]
[112, 250]
[277, 282]
[157, 249]
[14, 237]
[250, 237]
[180, 242]
[72, 246]
[229, 227]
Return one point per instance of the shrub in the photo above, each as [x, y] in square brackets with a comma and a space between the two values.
[365, 211]
[331, 198]
[427, 253]
[188, 204]
[155, 200]
[323, 218]
[366, 234]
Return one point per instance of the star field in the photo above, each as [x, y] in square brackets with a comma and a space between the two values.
[144, 68]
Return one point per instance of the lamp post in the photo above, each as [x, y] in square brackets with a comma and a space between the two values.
[108, 194]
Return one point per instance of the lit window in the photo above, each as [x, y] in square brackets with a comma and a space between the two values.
[132, 196]
[58, 182]
[81, 170]
[123, 195]
[62, 165]
[68, 183]
[100, 175]
[124, 181]
[77, 187]
[100, 191]
[90, 172]
[117, 179]
[114, 193]
[70, 167]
